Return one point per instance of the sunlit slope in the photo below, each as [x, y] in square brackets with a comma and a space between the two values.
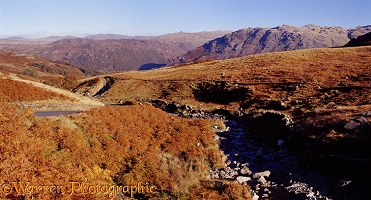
[297, 78]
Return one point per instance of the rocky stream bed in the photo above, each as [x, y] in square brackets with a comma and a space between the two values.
[271, 170]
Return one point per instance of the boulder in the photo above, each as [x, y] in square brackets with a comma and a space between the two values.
[352, 125]
[159, 103]
[270, 122]
[356, 124]
[173, 108]
[262, 180]
[242, 179]
[245, 170]
[261, 174]
[255, 197]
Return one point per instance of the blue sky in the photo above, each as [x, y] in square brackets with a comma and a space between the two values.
[155, 17]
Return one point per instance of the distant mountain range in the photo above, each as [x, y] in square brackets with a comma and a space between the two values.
[117, 37]
[261, 40]
[188, 41]
[107, 55]
[112, 52]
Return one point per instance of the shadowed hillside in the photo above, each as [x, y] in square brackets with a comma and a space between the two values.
[362, 40]
[261, 40]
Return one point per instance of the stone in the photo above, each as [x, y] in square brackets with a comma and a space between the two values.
[245, 170]
[363, 121]
[261, 174]
[255, 197]
[367, 114]
[356, 124]
[222, 174]
[233, 173]
[242, 179]
[352, 125]
[310, 195]
[214, 174]
[262, 180]
[245, 164]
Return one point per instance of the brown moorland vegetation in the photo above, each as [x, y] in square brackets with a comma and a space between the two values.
[15, 91]
[320, 89]
[116, 146]
[57, 74]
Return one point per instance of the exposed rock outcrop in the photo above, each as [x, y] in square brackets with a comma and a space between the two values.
[262, 40]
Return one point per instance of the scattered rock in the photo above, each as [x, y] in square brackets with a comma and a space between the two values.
[356, 124]
[253, 156]
[214, 174]
[242, 179]
[362, 121]
[245, 170]
[255, 197]
[261, 174]
[310, 195]
[262, 180]
[352, 125]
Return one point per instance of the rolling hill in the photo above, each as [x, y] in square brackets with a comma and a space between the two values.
[34, 82]
[261, 40]
[322, 90]
[319, 91]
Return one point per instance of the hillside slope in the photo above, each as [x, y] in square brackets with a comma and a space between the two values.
[110, 52]
[261, 40]
[325, 92]
[362, 40]
[26, 79]
[189, 41]
[103, 55]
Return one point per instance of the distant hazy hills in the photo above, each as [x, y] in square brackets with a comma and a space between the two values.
[281, 38]
[188, 41]
[117, 37]
[109, 55]
[111, 52]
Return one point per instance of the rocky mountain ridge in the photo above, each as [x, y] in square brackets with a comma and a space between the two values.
[262, 40]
